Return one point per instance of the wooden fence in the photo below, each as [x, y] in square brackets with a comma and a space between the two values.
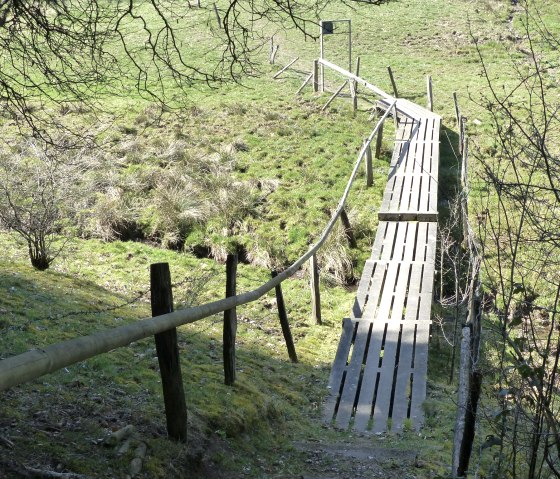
[38, 362]
[470, 376]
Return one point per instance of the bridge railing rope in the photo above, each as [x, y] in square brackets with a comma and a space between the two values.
[39, 362]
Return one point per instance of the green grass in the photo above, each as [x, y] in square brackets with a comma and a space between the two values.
[294, 161]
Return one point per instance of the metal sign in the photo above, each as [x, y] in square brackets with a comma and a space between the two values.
[328, 28]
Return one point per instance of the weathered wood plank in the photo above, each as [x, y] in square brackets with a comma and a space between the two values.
[402, 387]
[385, 388]
[363, 288]
[348, 396]
[419, 376]
[375, 292]
[364, 408]
[339, 366]
[423, 216]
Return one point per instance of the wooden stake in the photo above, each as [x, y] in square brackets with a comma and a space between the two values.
[303, 85]
[369, 166]
[392, 78]
[315, 76]
[379, 141]
[315, 290]
[336, 93]
[286, 67]
[273, 54]
[457, 114]
[168, 354]
[430, 93]
[465, 165]
[348, 231]
[355, 86]
[284, 321]
[230, 321]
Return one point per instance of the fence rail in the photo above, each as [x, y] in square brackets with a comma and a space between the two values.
[38, 362]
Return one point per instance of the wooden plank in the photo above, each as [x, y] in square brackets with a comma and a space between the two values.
[413, 298]
[420, 254]
[386, 297]
[400, 291]
[383, 400]
[375, 292]
[379, 238]
[348, 396]
[338, 368]
[367, 391]
[364, 287]
[398, 244]
[419, 375]
[409, 241]
[425, 307]
[423, 216]
[418, 185]
[402, 386]
[432, 242]
[388, 241]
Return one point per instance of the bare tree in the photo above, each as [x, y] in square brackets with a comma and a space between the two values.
[82, 50]
[37, 193]
[519, 224]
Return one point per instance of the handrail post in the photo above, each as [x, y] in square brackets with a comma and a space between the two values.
[168, 354]
[315, 76]
[369, 166]
[355, 86]
[284, 321]
[379, 141]
[230, 321]
[394, 85]
[315, 290]
[430, 93]
[348, 231]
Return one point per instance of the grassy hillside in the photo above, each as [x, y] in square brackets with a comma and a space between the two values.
[249, 165]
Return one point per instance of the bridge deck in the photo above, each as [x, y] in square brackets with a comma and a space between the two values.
[379, 372]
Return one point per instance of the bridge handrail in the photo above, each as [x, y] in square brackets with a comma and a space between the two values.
[38, 362]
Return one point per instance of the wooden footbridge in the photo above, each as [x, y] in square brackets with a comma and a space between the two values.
[379, 373]
[378, 379]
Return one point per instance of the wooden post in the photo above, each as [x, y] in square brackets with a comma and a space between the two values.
[284, 321]
[218, 19]
[315, 76]
[230, 321]
[392, 78]
[462, 133]
[457, 114]
[379, 141]
[430, 93]
[315, 290]
[273, 54]
[286, 67]
[348, 231]
[369, 166]
[322, 55]
[465, 163]
[355, 86]
[336, 93]
[395, 118]
[168, 354]
[305, 82]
